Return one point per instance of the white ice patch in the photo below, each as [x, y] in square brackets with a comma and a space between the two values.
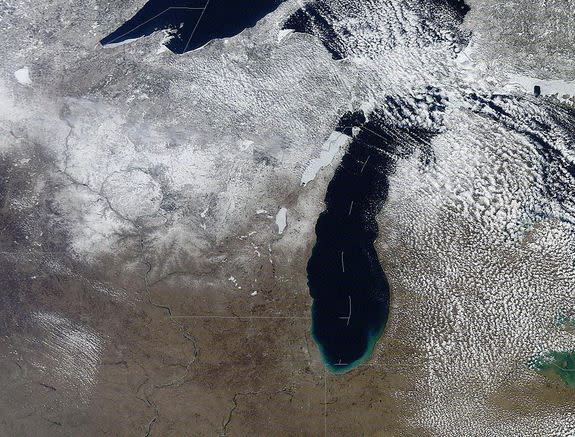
[121, 43]
[162, 49]
[282, 34]
[281, 220]
[551, 87]
[23, 76]
[329, 149]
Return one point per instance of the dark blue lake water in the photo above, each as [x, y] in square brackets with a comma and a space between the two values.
[192, 23]
[347, 283]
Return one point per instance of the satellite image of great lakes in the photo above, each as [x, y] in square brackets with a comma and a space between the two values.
[285, 218]
[347, 229]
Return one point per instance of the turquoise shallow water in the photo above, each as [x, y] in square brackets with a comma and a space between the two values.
[372, 340]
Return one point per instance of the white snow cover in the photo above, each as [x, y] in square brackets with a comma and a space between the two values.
[133, 193]
[482, 270]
